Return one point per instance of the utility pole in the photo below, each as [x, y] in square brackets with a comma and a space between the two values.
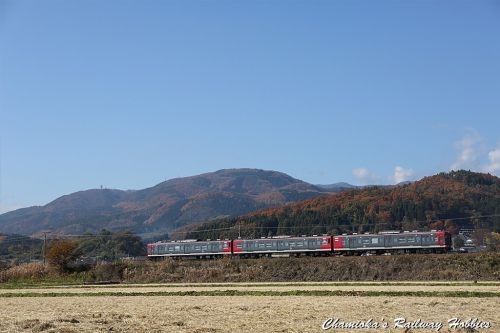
[44, 249]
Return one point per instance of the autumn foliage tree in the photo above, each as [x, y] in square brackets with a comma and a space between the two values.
[61, 254]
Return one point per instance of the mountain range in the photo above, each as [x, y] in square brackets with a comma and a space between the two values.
[448, 201]
[263, 202]
[166, 206]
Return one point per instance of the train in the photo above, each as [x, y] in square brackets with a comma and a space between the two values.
[389, 242]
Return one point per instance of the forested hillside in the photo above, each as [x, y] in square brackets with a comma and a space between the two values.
[164, 207]
[104, 245]
[19, 248]
[444, 201]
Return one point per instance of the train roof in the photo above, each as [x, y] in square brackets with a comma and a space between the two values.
[183, 241]
[384, 233]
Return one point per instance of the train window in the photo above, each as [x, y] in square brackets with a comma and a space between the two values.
[226, 245]
[324, 241]
[374, 240]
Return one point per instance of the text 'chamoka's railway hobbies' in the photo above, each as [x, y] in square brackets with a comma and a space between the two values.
[381, 243]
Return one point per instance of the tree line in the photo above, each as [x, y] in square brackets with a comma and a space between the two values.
[64, 253]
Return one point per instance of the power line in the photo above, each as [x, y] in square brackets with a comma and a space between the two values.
[21, 238]
[339, 225]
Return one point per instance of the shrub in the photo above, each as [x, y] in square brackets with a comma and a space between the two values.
[108, 272]
[29, 271]
[61, 254]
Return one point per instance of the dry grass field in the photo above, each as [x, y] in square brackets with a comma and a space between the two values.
[59, 311]
[172, 288]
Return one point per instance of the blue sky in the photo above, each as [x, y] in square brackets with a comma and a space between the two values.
[126, 94]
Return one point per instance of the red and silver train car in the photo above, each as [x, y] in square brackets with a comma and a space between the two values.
[297, 245]
[385, 242]
[190, 248]
[432, 241]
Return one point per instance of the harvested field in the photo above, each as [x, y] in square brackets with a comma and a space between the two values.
[227, 313]
[170, 288]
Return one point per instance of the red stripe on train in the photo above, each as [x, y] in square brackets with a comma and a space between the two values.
[227, 246]
[337, 242]
[237, 243]
[328, 245]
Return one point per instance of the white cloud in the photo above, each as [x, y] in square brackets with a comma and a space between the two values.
[401, 174]
[365, 176]
[469, 149]
[494, 164]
